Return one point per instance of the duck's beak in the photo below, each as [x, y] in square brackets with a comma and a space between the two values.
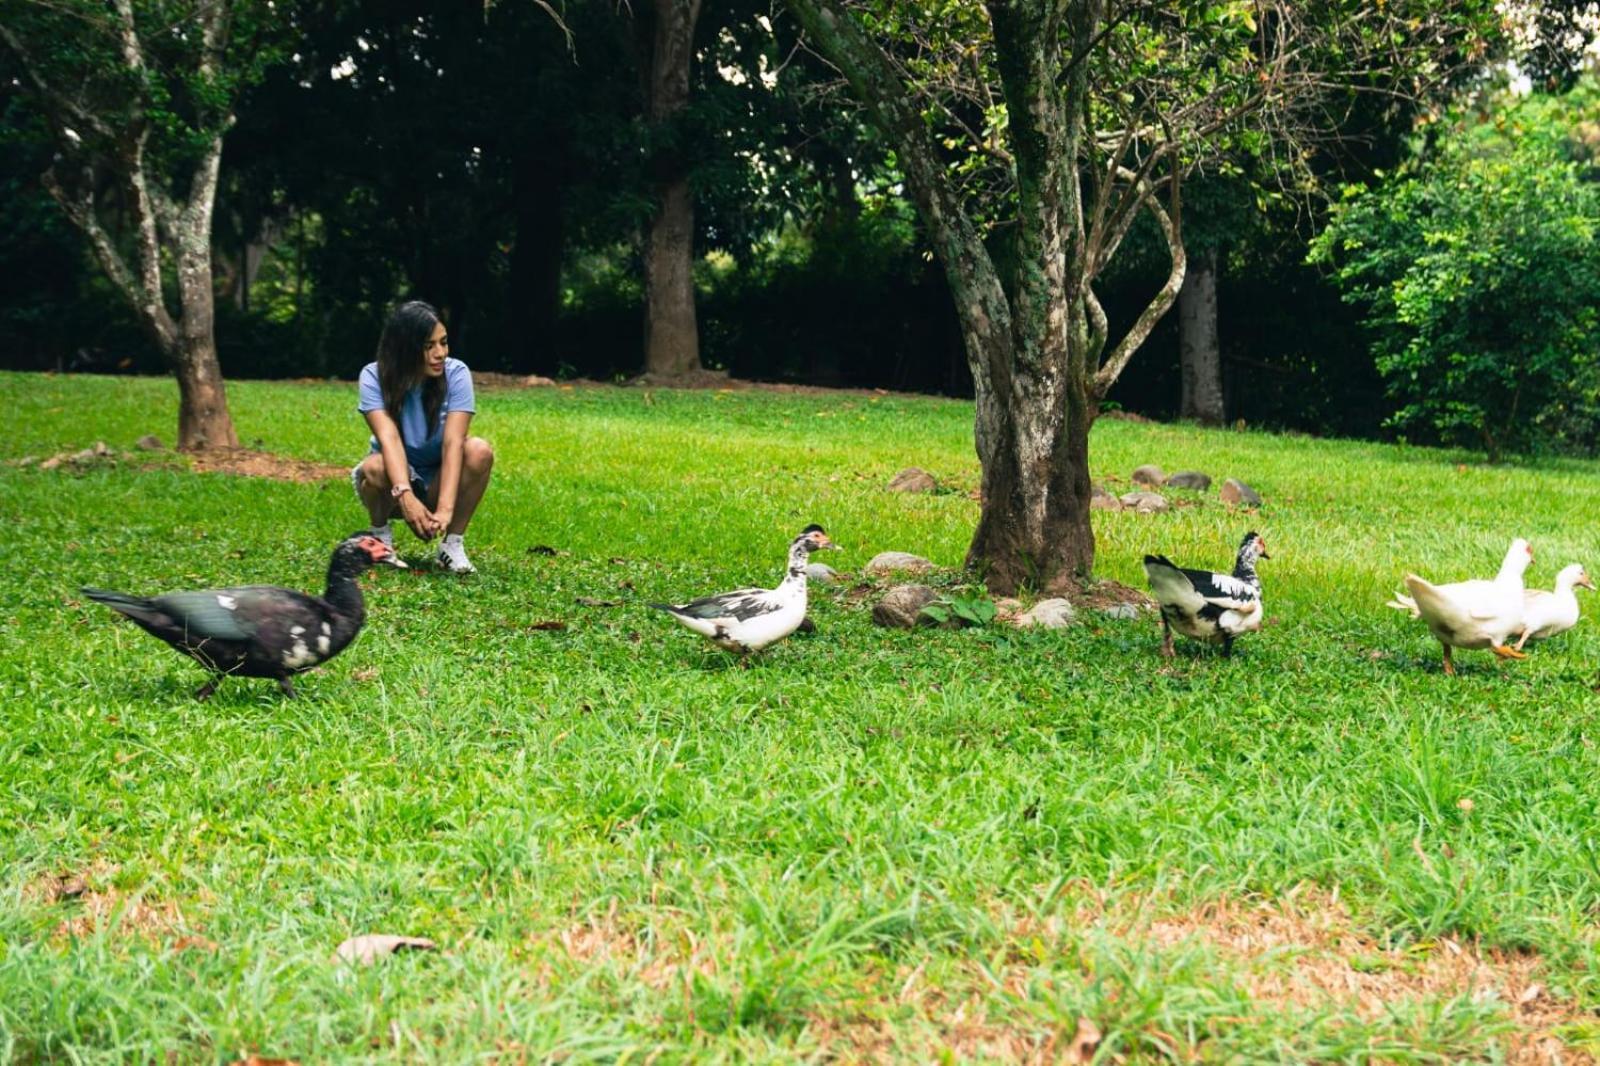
[382, 553]
[1586, 582]
[824, 543]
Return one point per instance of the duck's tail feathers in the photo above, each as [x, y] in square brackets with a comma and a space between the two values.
[133, 606]
[1402, 602]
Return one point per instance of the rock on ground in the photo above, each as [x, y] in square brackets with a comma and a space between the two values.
[901, 605]
[1146, 502]
[1101, 500]
[1051, 614]
[913, 479]
[1190, 479]
[821, 572]
[1237, 492]
[1149, 474]
[889, 562]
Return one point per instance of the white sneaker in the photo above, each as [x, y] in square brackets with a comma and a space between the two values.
[453, 556]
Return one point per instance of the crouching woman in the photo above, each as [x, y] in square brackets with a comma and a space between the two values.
[422, 465]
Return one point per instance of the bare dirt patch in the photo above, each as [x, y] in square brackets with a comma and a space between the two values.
[89, 902]
[1098, 595]
[242, 462]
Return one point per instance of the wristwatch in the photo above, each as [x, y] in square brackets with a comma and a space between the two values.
[399, 490]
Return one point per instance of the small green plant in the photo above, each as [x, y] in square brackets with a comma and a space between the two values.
[969, 607]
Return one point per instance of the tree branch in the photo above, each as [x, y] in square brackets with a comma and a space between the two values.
[1169, 220]
[980, 299]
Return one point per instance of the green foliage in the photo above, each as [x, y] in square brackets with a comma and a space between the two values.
[1478, 268]
[626, 843]
[969, 606]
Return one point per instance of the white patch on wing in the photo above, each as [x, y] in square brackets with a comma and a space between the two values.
[295, 631]
[298, 656]
[327, 630]
[226, 602]
[323, 644]
[1233, 586]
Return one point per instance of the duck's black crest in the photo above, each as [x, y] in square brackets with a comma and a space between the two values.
[812, 528]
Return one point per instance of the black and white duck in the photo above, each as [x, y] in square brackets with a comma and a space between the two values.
[747, 620]
[260, 630]
[1205, 605]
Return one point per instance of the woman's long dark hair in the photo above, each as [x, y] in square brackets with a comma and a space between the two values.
[400, 347]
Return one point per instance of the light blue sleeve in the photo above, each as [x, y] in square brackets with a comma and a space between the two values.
[371, 392]
[458, 395]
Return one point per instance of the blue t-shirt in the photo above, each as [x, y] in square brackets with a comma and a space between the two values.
[424, 445]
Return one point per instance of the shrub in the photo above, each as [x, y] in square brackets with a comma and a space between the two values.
[1478, 270]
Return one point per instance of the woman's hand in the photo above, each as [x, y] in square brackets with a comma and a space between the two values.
[443, 516]
[418, 517]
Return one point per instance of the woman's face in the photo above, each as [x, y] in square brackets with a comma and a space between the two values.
[434, 352]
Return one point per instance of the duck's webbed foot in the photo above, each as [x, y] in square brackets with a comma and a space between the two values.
[205, 691]
[1449, 663]
[287, 686]
[1227, 646]
[1505, 651]
[1166, 638]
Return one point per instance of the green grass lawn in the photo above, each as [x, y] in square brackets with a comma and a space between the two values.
[868, 845]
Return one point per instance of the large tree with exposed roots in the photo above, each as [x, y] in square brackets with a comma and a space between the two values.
[1032, 134]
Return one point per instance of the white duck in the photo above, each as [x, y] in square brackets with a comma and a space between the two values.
[747, 620]
[1473, 614]
[1206, 605]
[1546, 614]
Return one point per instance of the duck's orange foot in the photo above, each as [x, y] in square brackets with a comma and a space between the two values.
[1505, 651]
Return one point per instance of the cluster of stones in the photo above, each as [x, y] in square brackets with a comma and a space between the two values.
[1147, 501]
[903, 606]
[101, 452]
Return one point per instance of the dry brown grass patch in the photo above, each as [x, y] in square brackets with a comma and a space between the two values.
[242, 462]
[1306, 951]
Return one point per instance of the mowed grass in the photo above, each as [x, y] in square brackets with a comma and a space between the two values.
[867, 845]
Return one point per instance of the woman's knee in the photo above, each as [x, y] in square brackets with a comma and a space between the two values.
[478, 456]
[373, 471]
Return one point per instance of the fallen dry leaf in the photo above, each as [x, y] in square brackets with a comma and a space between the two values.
[1085, 1041]
[549, 625]
[370, 947]
[590, 601]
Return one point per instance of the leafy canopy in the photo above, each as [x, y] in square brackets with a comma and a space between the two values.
[1478, 269]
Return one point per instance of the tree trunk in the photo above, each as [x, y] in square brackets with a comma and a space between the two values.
[203, 418]
[1198, 351]
[672, 337]
[1033, 530]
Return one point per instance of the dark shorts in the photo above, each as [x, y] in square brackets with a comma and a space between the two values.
[420, 479]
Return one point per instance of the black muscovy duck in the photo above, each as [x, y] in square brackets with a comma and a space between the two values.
[1206, 605]
[747, 620]
[260, 630]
